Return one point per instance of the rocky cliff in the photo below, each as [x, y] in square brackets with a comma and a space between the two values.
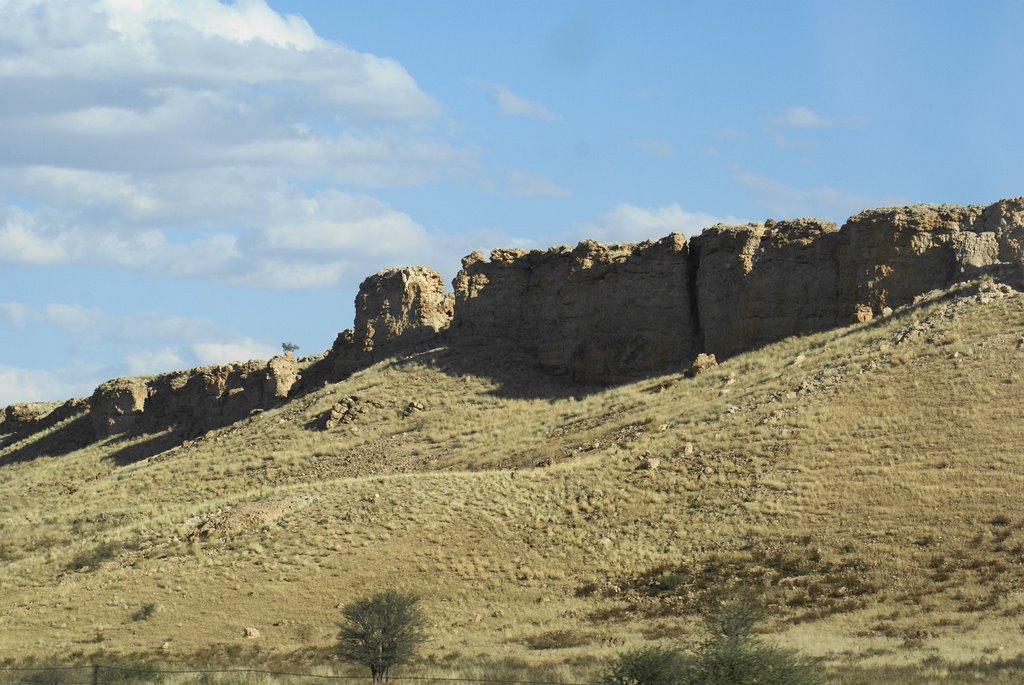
[606, 313]
[600, 313]
[192, 401]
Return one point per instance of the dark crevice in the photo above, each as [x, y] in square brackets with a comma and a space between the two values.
[692, 269]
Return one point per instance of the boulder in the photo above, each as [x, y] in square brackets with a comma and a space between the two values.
[702, 363]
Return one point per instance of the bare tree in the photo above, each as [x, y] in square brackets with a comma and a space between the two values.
[382, 631]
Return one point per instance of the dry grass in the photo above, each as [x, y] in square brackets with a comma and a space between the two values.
[868, 481]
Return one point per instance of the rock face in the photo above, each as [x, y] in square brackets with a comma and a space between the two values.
[599, 313]
[888, 256]
[116, 406]
[192, 401]
[397, 310]
[401, 308]
[765, 281]
[607, 313]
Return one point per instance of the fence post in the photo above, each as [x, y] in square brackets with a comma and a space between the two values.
[95, 674]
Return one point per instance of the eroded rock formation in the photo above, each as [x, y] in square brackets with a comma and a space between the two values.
[600, 313]
[765, 281]
[396, 310]
[192, 401]
[606, 313]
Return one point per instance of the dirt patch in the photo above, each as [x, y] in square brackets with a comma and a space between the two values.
[245, 517]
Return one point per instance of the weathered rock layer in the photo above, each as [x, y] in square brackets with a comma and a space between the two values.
[601, 313]
[607, 313]
[192, 401]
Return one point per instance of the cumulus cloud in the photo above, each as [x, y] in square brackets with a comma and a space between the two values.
[630, 223]
[510, 104]
[179, 138]
[80, 323]
[35, 385]
[142, 363]
[805, 117]
[242, 349]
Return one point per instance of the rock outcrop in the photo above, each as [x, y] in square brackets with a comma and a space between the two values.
[191, 401]
[607, 313]
[116, 406]
[24, 416]
[397, 310]
[599, 313]
[765, 281]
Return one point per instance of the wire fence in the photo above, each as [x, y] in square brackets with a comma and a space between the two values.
[98, 674]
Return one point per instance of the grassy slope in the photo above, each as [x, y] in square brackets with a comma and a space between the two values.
[868, 479]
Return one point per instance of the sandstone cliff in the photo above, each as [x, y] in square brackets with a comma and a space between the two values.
[599, 313]
[191, 401]
[396, 310]
[608, 313]
[765, 281]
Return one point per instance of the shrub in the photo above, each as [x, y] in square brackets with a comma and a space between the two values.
[382, 631]
[731, 655]
[649, 666]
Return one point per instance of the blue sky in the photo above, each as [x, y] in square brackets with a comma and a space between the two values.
[185, 182]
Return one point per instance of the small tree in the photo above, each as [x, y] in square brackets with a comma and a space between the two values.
[382, 631]
[731, 655]
[289, 347]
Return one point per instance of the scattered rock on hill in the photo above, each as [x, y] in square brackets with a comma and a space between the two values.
[703, 362]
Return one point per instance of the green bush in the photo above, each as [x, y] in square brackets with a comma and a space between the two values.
[731, 655]
[650, 666]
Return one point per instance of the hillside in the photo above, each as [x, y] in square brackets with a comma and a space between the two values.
[866, 478]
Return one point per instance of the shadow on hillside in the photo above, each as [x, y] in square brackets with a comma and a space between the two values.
[70, 437]
[133, 451]
[514, 374]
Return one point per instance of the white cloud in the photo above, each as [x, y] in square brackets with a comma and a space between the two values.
[79, 323]
[176, 137]
[521, 184]
[629, 223]
[510, 104]
[74, 319]
[783, 200]
[660, 149]
[35, 385]
[16, 313]
[203, 45]
[804, 117]
[144, 363]
[243, 349]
